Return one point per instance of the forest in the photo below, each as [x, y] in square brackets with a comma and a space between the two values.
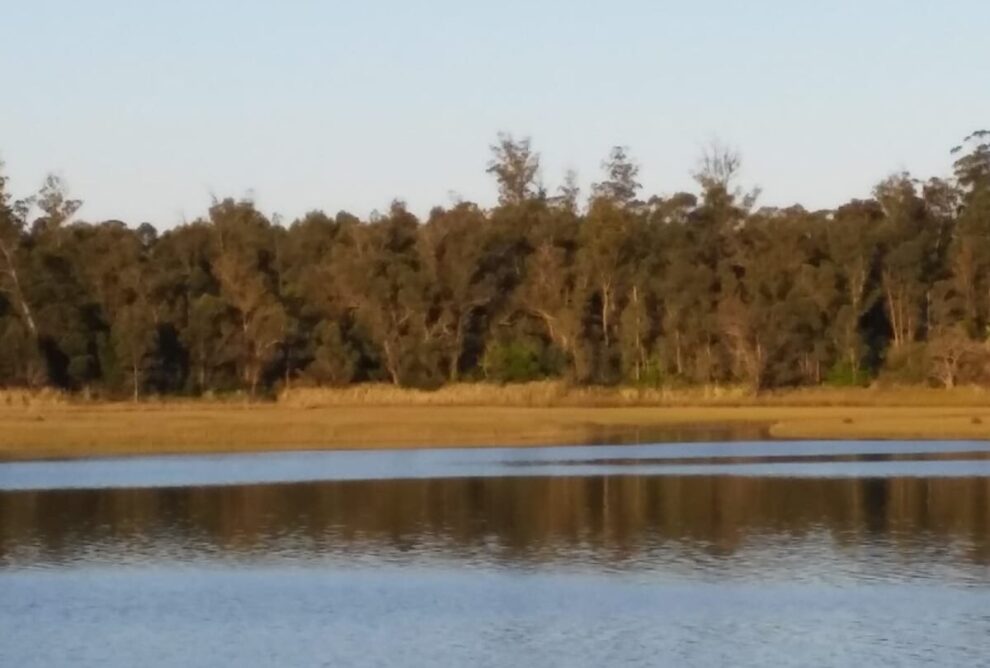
[612, 287]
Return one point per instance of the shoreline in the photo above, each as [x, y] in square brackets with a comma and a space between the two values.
[72, 430]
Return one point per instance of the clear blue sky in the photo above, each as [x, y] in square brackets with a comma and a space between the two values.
[146, 108]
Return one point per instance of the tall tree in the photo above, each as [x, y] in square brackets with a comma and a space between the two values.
[852, 239]
[516, 168]
[20, 334]
[243, 266]
[456, 259]
[388, 290]
[620, 185]
[906, 246]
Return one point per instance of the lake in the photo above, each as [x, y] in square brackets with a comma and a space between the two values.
[702, 554]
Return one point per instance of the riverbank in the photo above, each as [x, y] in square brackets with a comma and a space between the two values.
[329, 420]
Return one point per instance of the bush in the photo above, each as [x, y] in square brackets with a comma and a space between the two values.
[653, 373]
[513, 362]
[953, 358]
[844, 374]
[907, 365]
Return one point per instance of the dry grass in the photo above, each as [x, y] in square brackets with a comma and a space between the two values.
[554, 394]
[16, 398]
[529, 395]
[471, 415]
[880, 397]
[102, 429]
[532, 394]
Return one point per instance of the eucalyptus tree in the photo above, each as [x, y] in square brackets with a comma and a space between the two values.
[190, 311]
[516, 168]
[113, 265]
[55, 205]
[905, 241]
[690, 287]
[244, 267]
[967, 293]
[318, 345]
[385, 285]
[18, 329]
[852, 238]
[620, 185]
[69, 328]
[455, 255]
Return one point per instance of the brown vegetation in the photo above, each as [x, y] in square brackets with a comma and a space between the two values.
[553, 393]
[478, 415]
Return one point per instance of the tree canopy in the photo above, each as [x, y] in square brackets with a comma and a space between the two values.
[628, 287]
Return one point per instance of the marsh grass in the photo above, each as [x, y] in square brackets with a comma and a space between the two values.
[18, 398]
[552, 393]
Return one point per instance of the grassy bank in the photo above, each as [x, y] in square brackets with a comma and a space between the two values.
[377, 417]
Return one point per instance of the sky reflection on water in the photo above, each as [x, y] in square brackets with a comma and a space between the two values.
[305, 466]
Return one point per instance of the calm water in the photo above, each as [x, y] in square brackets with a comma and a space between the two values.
[709, 554]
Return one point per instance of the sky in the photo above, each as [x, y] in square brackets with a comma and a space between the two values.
[149, 109]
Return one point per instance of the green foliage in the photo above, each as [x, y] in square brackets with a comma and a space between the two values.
[844, 374]
[687, 288]
[513, 362]
[335, 361]
[907, 365]
[654, 373]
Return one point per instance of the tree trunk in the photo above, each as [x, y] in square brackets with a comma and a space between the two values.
[247, 375]
[391, 364]
[710, 359]
[894, 312]
[255, 371]
[454, 369]
[134, 379]
[17, 293]
[287, 357]
[606, 307]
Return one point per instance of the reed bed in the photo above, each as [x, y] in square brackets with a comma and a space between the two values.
[542, 394]
[20, 398]
[552, 393]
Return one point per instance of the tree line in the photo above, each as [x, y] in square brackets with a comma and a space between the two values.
[617, 287]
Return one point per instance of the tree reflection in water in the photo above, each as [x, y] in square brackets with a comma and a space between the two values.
[628, 522]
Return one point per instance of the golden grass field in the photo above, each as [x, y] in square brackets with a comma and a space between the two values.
[49, 425]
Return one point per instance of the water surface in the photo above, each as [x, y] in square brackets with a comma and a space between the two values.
[707, 554]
